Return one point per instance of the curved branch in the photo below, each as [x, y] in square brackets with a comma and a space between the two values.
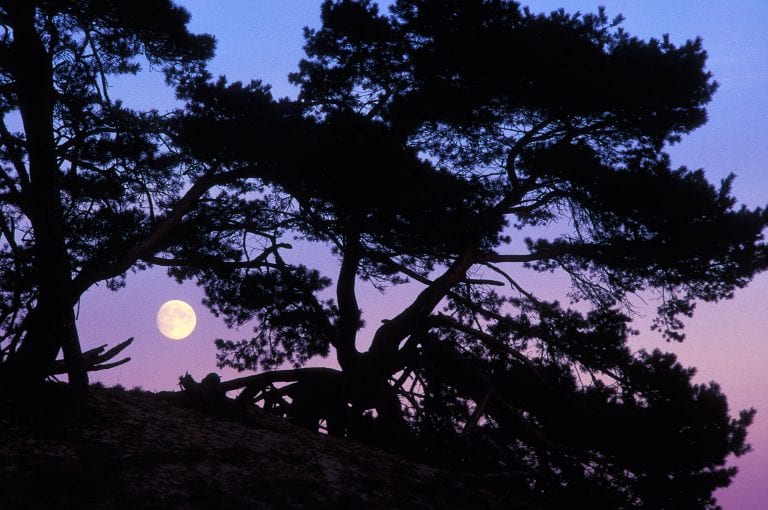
[539, 202]
[509, 166]
[349, 311]
[388, 337]
[512, 282]
[488, 314]
[97, 270]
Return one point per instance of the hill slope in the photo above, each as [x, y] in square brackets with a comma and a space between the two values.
[140, 450]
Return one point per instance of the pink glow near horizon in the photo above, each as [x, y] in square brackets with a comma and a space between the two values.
[726, 341]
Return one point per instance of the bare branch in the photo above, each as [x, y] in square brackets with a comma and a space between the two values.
[473, 281]
[94, 359]
[522, 257]
[215, 263]
[512, 282]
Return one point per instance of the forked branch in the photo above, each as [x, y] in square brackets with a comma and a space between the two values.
[96, 359]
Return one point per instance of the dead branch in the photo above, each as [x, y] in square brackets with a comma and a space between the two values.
[95, 359]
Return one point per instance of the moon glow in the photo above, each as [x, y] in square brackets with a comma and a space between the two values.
[176, 319]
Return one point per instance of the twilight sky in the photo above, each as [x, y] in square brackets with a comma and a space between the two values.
[727, 341]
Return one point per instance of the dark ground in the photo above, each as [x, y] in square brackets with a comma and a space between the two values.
[140, 450]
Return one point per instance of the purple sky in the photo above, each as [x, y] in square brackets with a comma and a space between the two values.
[726, 341]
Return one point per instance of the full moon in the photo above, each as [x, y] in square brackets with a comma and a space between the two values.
[176, 319]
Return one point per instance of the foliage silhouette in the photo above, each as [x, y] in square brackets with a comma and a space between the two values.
[428, 146]
[87, 184]
[432, 146]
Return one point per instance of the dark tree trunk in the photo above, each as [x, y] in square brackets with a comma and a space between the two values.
[52, 322]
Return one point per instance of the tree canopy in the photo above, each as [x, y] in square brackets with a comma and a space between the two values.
[85, 180]
[432, 146]
[447, 145]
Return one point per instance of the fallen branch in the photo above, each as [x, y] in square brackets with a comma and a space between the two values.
[298, 374]
[208, 396]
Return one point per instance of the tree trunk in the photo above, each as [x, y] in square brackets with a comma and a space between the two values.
[52, 324]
